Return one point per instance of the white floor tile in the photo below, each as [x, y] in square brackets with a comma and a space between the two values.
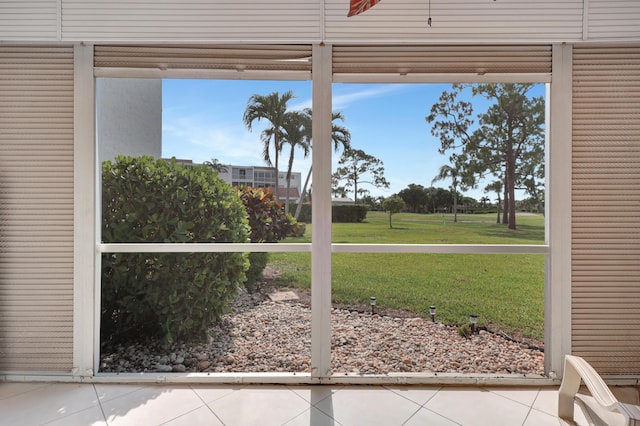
[231, 405]
[313, 417]
[426, 417]
[538, 418]
[90, 417]
[259, 405]
[418, 394]
[477, 407]
[47, 404]
[107, 392]
[522, 395]
[547, 401]
[11, 389]
[358, 405]
[315, 394]
[199, 416]
[151, 405]
[210, 393]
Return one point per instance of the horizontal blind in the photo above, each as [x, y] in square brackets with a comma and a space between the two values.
[606, 207]
[36, 208]
[219, 57]
[460, 59]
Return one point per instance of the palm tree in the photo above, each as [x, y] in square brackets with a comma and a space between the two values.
[295, 135]
[339, 135]
[446, 172]
[496, 186]
[272, 108]
[215, 165]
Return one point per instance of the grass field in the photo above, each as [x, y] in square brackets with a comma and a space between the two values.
[506, 291]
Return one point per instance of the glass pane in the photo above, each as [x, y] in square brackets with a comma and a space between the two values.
[195, 132]
[185, 313]
[382, 322]
[434, 163]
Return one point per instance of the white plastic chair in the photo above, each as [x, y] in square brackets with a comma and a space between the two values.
[602, 407]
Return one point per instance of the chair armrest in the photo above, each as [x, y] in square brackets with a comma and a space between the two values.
[577, 370]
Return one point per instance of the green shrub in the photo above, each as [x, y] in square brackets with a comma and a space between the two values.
[465, 331]
[268, 224]
[174, 295]
[257, 263]
[267, 219]
[305, 212]
[348, 214]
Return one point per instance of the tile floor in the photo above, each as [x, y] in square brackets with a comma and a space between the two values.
[68, 404]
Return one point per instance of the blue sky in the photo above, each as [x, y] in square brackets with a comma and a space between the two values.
[202, 119]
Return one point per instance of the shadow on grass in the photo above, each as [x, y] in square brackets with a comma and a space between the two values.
[534, 233]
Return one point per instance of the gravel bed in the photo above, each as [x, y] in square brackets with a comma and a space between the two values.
[261, 335]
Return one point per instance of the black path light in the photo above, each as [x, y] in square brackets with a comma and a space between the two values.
[473, 319]
[432, 312]
[373, 305]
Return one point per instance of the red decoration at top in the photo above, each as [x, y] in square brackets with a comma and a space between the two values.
[359, 6]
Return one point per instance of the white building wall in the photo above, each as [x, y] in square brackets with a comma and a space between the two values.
[129, 117]
[612, 20]
[293, 21]
[305, 21]
[29, 20]
[460, 21]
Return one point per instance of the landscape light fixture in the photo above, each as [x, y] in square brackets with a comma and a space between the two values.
[432, 311]
[373, 305]
[473, 319]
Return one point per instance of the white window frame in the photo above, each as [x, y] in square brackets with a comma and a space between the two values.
[557, 241]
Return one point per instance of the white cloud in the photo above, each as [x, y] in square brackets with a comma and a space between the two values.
[201, 140]
[343, 100]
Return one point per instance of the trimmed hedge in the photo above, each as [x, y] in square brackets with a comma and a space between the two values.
[173, 295]
[348, 214]
[339, 213]
[305, 212]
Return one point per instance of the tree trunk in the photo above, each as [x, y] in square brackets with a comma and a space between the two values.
[390, 225]
[511, 180]
[505, 203]
[304, 191]
[498, 218]
[277, 146]
[355, 190]
[455, 206]
[289, 171]
[286, 202]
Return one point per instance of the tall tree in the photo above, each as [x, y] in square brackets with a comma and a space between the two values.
[495, 186]
[393, 205]
[273, 109]
[215, 165]
[415, 196]
[450, 172]
[358, 168]
[531, 175]
[295, 131]
[511, 127]
[339, 135]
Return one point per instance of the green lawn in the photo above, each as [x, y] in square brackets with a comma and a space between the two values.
[506, 291]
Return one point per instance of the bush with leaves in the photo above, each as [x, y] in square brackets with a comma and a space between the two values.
[170, 295]
[393, 205]
[348, 214]
[269, 224]
[267, 219]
